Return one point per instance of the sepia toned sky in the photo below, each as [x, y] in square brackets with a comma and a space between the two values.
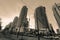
[11, 8]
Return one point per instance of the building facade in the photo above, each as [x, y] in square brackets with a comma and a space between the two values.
[41, 22]
[22, 18]
[56, 11]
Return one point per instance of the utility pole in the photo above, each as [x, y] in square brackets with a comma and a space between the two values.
[37, 24]
[38, 30]
[37, 27]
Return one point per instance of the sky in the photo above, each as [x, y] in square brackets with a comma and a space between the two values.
[11, 8]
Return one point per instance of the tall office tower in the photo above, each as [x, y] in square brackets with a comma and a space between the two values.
[14, 23]
[56, 11]
[41, 22]
[22, 17]
[0, 23]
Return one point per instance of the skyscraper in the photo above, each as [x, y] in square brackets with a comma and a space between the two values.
[56, 11]
[14, 23]
[21, 18]
[41, 21]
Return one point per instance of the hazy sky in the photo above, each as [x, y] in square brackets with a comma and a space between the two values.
[11, 8]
